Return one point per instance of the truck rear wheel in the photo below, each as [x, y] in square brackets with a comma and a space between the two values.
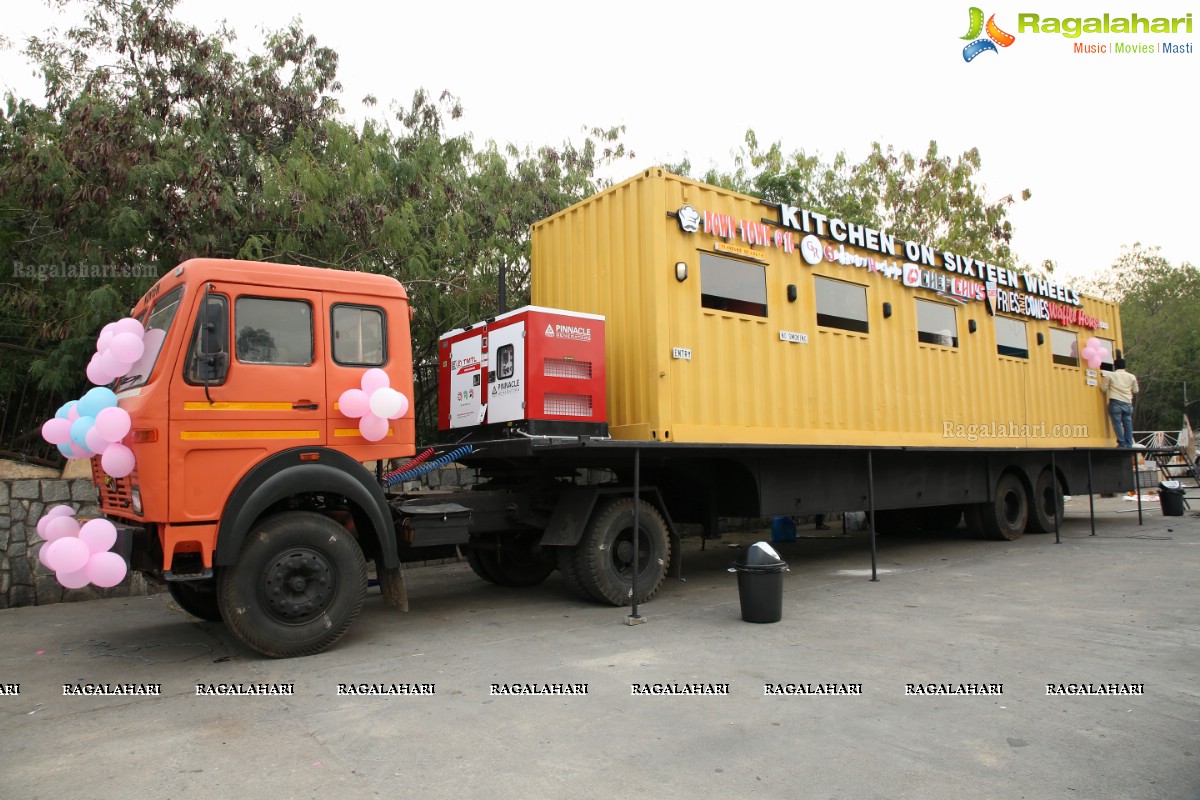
[299, 582]
[198, 598]
[1047, 501]
[1006, 516]
[604, 556]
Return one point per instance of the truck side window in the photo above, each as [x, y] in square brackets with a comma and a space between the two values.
[729, 285]
[1011, 339]
[1064, 347]
[208, 356]
[841, 305]
[273, 331]
[359, 338]
[937, 323]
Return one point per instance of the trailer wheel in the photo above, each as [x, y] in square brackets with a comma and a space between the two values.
[1006, 516]
[198, 598]
[566, 566]
[1047, 501]
[517, 561]
[604, 555]
[298, 583]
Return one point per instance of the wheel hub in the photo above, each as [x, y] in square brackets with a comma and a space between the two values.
[298, 585]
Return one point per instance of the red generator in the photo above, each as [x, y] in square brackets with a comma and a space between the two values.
[543, 369]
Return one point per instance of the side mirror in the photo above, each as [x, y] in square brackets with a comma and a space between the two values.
[212, 367]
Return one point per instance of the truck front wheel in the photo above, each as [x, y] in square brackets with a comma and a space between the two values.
[299, 582]
[604, 556]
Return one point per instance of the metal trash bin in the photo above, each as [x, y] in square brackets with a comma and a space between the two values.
[1170, 496]
[760, 583]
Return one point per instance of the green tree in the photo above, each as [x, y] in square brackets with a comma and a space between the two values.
[1160, 303]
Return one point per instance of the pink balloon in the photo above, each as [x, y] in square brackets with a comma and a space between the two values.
[46, 556]
[118, 460]
[72, 413]
[99, 535]
[112, 424]
[403, 406]
[105, 337]
[386, 403]
[372, 428]
[127, 348]
[128, 325]
[60, 511]
[53, 513]
[106, 569]
[68, 554]
[79, 452]
[352, 403]
[56, 431]
[96, 373]
[373, 379]
[72, 580]
[94, 441]
[110, 365]
[59, 527]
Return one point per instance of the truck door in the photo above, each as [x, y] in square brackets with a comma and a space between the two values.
[252, 384]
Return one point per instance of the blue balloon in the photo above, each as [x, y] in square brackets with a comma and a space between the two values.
[65, 409]
[79, 431]
[65, 449]
[95, 401]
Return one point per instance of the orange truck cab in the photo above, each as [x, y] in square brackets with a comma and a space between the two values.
[250, 498]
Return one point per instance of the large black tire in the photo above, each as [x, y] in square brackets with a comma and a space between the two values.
[198, 598]
[604, 555]
[517, 561]
[566, 567]
[298, 584]
[1005, 517]
[1047, 501]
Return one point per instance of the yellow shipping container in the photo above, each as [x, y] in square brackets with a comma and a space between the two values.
[730, 320]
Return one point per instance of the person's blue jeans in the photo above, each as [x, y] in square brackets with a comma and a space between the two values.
[1122, 420]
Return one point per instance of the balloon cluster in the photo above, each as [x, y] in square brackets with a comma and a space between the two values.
[79, 554]
[374, 404]
[93, 425]
[1095, 353]
[121, 344]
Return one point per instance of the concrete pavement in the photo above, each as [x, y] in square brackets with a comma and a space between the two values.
[1118, 608]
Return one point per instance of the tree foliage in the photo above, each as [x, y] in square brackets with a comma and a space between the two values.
[1160, 303]
[157, 143]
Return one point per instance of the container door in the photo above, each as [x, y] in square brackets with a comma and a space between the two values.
[506, 372]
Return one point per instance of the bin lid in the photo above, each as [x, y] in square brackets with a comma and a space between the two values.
[1169, 485]
[759, 557]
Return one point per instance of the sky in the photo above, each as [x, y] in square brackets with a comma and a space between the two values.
[1103, 141]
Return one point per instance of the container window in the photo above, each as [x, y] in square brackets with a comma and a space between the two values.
[1011, 338]
[358, 336]
[729, 285]
[841, 305]
[1111, 347]
[274, 331]
[937, 323]
[1064, 346]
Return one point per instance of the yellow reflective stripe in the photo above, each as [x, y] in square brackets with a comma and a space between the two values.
[203, 406]
[250, 435]
[352, 432]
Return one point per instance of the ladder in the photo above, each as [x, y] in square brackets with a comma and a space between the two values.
[1181, 464]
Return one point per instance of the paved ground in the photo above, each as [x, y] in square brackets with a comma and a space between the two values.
[1118, 608]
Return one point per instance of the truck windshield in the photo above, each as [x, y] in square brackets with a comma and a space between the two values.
[157, 323]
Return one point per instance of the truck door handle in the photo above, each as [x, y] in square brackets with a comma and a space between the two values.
[303, 406]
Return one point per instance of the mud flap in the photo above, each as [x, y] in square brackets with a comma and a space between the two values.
[391, 583]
